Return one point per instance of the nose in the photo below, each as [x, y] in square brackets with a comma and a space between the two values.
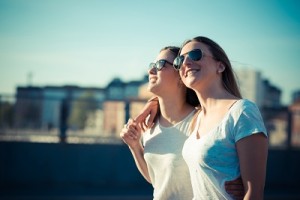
[152, 70]
[186, 60]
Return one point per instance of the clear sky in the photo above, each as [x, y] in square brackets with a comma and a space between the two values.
[90, 42]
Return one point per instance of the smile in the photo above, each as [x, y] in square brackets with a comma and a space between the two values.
[191, 72]
[152, 79]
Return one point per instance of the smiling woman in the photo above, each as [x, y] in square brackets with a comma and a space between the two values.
[158, 157]
[224, 128]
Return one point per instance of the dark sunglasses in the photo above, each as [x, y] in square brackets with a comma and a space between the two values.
[194, 55]
[159, 64]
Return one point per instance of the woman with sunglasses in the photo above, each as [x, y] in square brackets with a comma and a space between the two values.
[159, 159]
[228, 136]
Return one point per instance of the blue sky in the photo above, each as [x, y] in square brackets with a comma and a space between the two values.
[89, 42]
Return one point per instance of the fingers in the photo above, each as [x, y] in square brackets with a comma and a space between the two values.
[147, 115]
[130, 130]
[127, 134]
[143, 126]
[235, 188]
[235, 184]
[150, 121]
[236, 181]
[141, 117]
[141, 120]
[237, 194]
[130, 122]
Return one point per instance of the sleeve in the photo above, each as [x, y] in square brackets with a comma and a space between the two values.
[249, 122]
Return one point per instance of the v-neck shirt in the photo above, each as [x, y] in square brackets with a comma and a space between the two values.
[212, 159]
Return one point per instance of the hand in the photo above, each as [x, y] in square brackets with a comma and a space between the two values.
[147, 116]
[235, 188]
[131, 133]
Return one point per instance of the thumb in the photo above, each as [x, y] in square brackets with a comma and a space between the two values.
[130, 121]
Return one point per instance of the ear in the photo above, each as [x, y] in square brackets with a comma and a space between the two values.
[221, 68]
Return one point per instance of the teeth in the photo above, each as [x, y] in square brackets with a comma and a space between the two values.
[151, 80]
[191, 72]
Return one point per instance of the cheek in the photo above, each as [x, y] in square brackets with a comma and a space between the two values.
[182, 77]
[181, 72]
[165, 77]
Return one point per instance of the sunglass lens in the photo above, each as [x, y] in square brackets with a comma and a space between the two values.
[195, 55]
[177, 62]
[160, 64]
[151, 65]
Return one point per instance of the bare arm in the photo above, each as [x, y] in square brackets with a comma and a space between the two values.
[150, 110]
[253, 153]
[131, 135]
[138, 155]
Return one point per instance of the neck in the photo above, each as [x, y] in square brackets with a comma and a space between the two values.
[211, 98]
[173, 110]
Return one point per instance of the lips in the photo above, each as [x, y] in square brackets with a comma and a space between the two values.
[191, 72]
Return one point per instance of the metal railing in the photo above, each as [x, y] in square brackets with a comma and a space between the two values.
[88, 120]
[56, 120]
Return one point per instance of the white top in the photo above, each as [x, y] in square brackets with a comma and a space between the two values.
[167, 169]
[213, 159]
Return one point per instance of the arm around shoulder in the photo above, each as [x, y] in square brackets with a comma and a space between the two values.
[149, 112]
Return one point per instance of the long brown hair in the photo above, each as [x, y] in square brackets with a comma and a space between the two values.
[228, 77]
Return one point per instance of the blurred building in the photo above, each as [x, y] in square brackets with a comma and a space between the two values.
[295, 123]
[120, 90]
[277, 122]
[117, 112]
[28, 108]
[251, 85]
[124, 100]
[41, 107]
[271, 95]
[296, 96]
[257, 89]
[100, 111]
[114, 117]
[104, 111]
[268, 98]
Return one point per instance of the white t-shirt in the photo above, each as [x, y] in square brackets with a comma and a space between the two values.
[213, 159]
[167, 169]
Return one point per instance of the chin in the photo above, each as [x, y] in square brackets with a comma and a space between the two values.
[189, 82]
[152, 88]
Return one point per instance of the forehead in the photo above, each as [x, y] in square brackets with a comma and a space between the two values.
[166, 55]
[194, 45]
